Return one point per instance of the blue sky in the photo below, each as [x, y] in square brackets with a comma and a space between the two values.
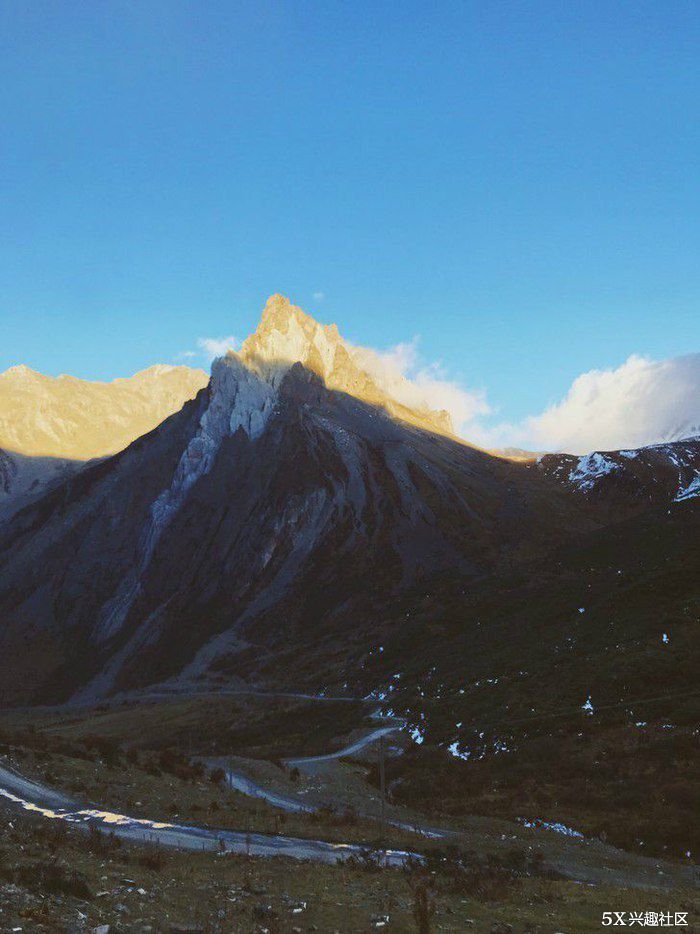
[515, 183]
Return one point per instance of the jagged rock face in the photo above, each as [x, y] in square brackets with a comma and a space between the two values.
[75, 419]
[287, 335]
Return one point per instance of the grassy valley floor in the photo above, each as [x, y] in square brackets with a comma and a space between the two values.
[492, 875]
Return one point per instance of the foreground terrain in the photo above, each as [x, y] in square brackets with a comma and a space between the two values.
[485, 872]
[50, 880]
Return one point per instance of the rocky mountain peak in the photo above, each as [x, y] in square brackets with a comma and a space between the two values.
[287, 335]
[278, 311]
[19, 372]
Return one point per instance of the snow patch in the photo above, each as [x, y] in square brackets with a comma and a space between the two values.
[589, 469]
[690, 491]
[557, 827]
[453, 750]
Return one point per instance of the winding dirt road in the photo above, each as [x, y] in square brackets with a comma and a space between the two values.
[22, 793]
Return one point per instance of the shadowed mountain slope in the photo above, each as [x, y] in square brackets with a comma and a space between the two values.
[293, 518]
[272, 515]
[135, 571]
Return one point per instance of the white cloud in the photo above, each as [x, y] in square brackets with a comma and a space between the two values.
[641, 402]
[186, 355]
[213, 347]
[319, 296]
[400, 373]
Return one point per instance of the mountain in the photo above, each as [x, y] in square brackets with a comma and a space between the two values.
[50, 426]
[287, 335]
[295, 515]
[299, 526]
[77, 419]
[24, 478]
[288, 509]
[660, 473]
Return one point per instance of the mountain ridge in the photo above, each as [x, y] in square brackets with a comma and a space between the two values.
[77, 419]
[330, 479]
[286, 519]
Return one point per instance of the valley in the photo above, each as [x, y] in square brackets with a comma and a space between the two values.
[486, 867]
[296, 591]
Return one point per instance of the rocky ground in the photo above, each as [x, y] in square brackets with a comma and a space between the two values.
[58, 879]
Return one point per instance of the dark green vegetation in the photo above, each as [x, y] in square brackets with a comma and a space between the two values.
[513, 663]
[240, 725]
[634, 791]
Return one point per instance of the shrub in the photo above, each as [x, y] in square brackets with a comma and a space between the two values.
[53, 878]
[132, 755]
[106, 748]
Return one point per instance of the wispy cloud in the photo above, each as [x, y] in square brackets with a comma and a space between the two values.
[402, 373]
[212, 347]
[640, 402]
[318, 296]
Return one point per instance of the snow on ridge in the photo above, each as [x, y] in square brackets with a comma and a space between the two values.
[590, 468]
[599, 463]
[688, 492]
